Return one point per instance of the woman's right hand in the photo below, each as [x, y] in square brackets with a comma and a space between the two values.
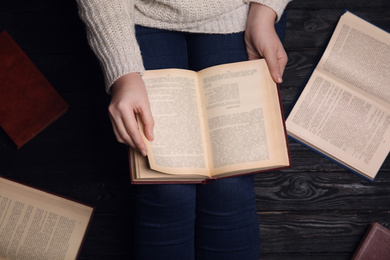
[129, 97]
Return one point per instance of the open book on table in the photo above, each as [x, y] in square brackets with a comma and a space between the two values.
[38, 225]
[222, 121]
[343, 111]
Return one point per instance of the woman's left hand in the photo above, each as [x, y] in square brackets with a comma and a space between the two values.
[262, 41]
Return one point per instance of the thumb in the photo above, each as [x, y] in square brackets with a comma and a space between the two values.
[274, 68]
[148, 123]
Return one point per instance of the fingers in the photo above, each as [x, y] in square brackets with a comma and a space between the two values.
[262, 41]
[129, 98]
[265, 43]
[276, 61]
[132, 133]
[274, 68]
[126, 130]
[116, 132]
[148, 123]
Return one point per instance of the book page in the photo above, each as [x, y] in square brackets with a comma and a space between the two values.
[243, 117]
[178, 145]
[344, 109]
[341, 123]
[358, 55]
[38, 225]
[142, 173]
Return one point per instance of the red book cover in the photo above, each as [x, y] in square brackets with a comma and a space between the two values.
[28, 102]
[375, 244]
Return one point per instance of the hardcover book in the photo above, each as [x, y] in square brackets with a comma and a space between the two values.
[343, 111]
[28, 102]
[375, 244]
[35, 224]
[222, 121]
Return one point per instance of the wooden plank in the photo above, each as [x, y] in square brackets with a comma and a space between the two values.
[307, 29]
[48, 6]
[320, 190]
[298, 256]
[109, 237]
[300, 65]
[334, 4]
[73, 75]
[315, 233]
[283, 235]
[45, 32]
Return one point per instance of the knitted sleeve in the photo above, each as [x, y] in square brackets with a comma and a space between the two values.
[277, 5]
[111, 35]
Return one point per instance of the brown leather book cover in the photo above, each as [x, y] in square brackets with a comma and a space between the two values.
[375, 244]
[28, 102]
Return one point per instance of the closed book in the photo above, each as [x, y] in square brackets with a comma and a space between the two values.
[28, 102]
[375, 244]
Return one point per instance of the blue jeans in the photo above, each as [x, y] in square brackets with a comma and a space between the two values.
[188, 221]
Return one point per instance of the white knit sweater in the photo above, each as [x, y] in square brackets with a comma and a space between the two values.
[110, 25]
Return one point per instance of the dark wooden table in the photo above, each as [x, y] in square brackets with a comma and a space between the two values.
[315, 210]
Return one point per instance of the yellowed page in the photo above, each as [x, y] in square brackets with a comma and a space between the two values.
[38, 225]
[341, 123]
[178, 145]
[141, 172]
[358, 56]
[243, 118]
[344, 109]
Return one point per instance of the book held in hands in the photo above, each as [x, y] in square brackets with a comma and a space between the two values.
[343, 111]
[222, 121]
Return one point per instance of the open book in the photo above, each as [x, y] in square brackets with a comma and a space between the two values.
[343, 111]
[38, 225]
[222, 121]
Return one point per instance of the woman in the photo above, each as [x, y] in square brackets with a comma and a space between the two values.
[213, 221]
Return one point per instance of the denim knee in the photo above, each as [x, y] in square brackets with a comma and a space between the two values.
[226, 224]
[227, 195]
[165, 221]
